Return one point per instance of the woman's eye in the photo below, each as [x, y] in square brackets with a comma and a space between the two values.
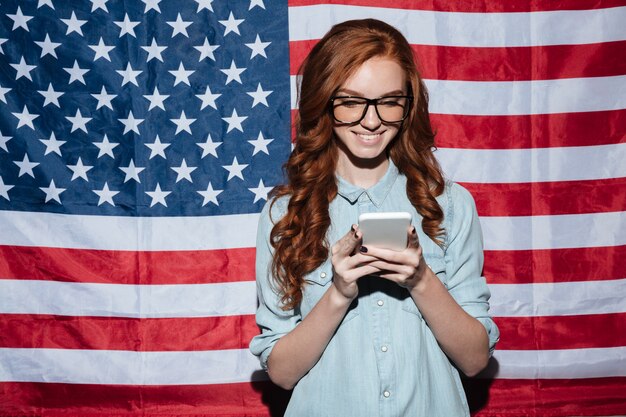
[389, 103]
[352, 103]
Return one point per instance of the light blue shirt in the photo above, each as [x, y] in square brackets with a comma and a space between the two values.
[383, 359]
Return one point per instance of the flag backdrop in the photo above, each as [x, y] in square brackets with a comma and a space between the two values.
[139, 140]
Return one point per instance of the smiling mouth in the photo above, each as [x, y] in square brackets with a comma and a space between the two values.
[369, 136]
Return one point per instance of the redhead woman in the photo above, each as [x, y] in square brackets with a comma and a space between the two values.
[354, 329]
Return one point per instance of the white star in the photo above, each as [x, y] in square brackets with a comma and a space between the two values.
[79, 170]
[235, 170]
[204, 4]
[42, 3]
[51, 96]
[234, 121]
[48, 47]
[258, 47]
[157, 148]
[233, 73]
[156, 99]
[26, 167]
[231, 25]
[206, 50]
[179, 26]
[152, 5]
[127, 26]
[23, 69]
[52, 192]
[2, 40]
[210, 195]
[154, 51]
[4, 140]
[78, 121]
[256, 3]
[158, 196]
[209, 147]
[208, 98]
[105, 147]
[104, 98]
[260, 192]
[19, 20]
[182, 75]
[25, 118]
[132, 172]
[259, 96]
[3, 92]
[105, 195]
[74, 25]
[52, 145]
[260, 144]
[184, 172]
[4, 189]
[102, 50]
[130, 75]
[183, 123]
[76, 73]
[99, 4]
[131, 123]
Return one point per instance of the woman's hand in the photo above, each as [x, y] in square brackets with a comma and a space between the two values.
[349, 264]
[406, 268]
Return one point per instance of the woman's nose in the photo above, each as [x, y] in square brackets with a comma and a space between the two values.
[371, 121]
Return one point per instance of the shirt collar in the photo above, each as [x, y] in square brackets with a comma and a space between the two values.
[376, 193]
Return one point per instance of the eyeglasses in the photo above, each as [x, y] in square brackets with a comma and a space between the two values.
[352, 109]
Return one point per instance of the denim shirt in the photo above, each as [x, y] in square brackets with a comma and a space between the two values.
[383, 359]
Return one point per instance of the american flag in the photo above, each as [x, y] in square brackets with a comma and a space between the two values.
[139, 140]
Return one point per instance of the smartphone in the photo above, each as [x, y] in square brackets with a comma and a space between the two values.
[386, 230]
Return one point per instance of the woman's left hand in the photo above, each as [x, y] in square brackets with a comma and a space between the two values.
[406, 268]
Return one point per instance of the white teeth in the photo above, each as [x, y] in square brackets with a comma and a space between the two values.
[368, 136]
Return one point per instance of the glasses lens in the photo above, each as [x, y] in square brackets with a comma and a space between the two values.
[348, 109]
[392, 109]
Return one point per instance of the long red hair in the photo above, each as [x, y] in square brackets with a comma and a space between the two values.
[299, 237]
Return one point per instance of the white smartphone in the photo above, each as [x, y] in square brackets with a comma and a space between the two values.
[386, 230]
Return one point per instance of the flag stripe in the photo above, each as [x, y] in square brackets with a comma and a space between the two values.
[164, 334]
[510, 98]
[121, 300]
[544, 198]
[127, 267]
[128, 367]
[555, 265]
[473, 6]
[504, 64]
[530, 131]
[562, 332]
[558, 299]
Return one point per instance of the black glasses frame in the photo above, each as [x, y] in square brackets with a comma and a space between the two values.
[368, 102]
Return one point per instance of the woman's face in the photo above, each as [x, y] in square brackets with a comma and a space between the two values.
[365, 142]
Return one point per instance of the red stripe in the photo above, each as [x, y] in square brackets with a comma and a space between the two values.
[474, 6]
[549, 198]
[113, 333]
[486, 397]
[127, 267]
[505, 64]
[555, 265]
[562, 332]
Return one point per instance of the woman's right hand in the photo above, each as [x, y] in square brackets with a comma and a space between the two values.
[349, 264]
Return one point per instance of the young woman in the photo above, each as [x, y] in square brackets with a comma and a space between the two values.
[361, 330]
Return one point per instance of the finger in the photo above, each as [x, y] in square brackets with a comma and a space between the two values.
[385, 254]
[412, 238]
[404, 270]
[364, 270]
[348, 243]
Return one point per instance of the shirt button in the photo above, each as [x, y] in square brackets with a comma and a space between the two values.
[384, 348]
[380, 303]
[386, 394]
[323, 275]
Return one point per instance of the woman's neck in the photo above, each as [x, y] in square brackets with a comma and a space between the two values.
[364, 174]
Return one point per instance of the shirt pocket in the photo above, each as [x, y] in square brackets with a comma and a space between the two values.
[316, 284]
[438, 265]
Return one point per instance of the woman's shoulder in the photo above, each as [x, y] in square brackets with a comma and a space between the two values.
[455, 197]
[274, 210]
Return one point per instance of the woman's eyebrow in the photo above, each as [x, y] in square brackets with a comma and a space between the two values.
[358, 94]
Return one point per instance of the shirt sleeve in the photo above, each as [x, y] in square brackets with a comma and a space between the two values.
[464, 259]
[273, 321]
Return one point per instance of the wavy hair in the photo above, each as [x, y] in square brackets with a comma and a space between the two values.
[299, 237]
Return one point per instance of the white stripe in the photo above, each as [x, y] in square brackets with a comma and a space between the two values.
[558, 364]
[558, 299]
[574, 163]
[470, 29]
[128, 233]
[520, 97]
[554, 232]
[117, 300]
[127, 367]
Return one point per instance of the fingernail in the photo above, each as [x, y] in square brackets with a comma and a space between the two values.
[363, 249]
